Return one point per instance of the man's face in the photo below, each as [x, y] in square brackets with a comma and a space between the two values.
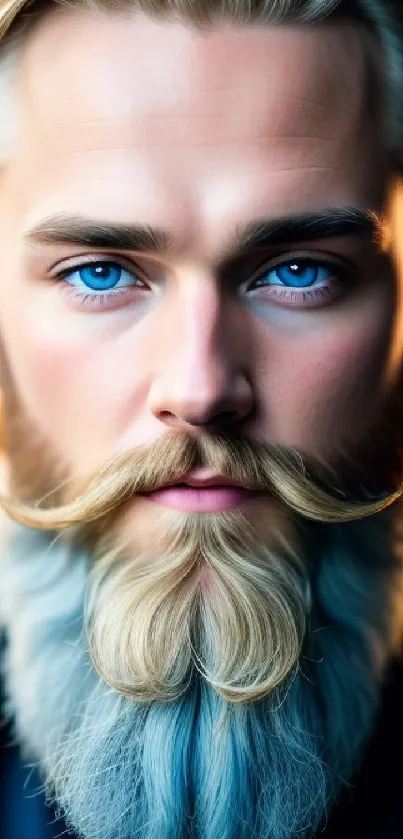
[152, 124]
[107, 349]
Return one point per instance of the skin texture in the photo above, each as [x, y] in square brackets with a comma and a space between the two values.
[131, 121]
[221, 129]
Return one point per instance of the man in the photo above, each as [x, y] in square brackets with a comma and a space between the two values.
[201, 352]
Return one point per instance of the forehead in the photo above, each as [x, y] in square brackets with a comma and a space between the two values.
[181, 118]
[142, 57]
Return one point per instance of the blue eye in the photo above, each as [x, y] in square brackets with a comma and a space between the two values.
[296, 274]
[100, 276]
[303, 282]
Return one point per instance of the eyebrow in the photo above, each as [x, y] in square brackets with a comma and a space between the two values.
[70, 229]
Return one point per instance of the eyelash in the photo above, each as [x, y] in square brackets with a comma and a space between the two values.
[289, 296]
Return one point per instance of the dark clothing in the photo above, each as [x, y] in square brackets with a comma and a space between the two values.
[372, 808]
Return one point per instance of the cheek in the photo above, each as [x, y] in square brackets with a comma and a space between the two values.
[329, 389]
[76, 380]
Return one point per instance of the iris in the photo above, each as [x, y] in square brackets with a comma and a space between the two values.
[298, 274]
[100, 276]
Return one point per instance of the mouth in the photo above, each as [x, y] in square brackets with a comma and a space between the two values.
[202, 491]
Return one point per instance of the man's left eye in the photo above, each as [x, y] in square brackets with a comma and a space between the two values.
[296, 274]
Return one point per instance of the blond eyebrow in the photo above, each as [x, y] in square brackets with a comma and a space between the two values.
[65, 228]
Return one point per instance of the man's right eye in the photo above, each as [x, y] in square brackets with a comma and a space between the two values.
[100, 282]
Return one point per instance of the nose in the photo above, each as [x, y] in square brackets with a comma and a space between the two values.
[201, 378]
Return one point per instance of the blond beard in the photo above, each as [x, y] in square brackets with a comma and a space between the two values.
[120, 768]
[226, 594]
[227, 597]
[207, 593]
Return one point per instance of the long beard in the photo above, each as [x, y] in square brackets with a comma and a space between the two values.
[220, 600]
[239, 676]
[199, 766]
[228, 594]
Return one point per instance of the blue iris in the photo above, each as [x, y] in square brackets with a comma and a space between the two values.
[100, 276]
[298, 274]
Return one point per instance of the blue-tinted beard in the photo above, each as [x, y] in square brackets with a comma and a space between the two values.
[182, 769]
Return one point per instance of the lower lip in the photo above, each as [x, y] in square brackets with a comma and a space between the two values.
[201, 500]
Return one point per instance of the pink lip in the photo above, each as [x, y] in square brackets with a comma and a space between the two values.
[201, 499]
[202, 491]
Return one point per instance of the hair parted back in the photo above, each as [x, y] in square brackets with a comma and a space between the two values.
[383, 17]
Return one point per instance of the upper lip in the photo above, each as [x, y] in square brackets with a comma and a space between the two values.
[207, 479]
